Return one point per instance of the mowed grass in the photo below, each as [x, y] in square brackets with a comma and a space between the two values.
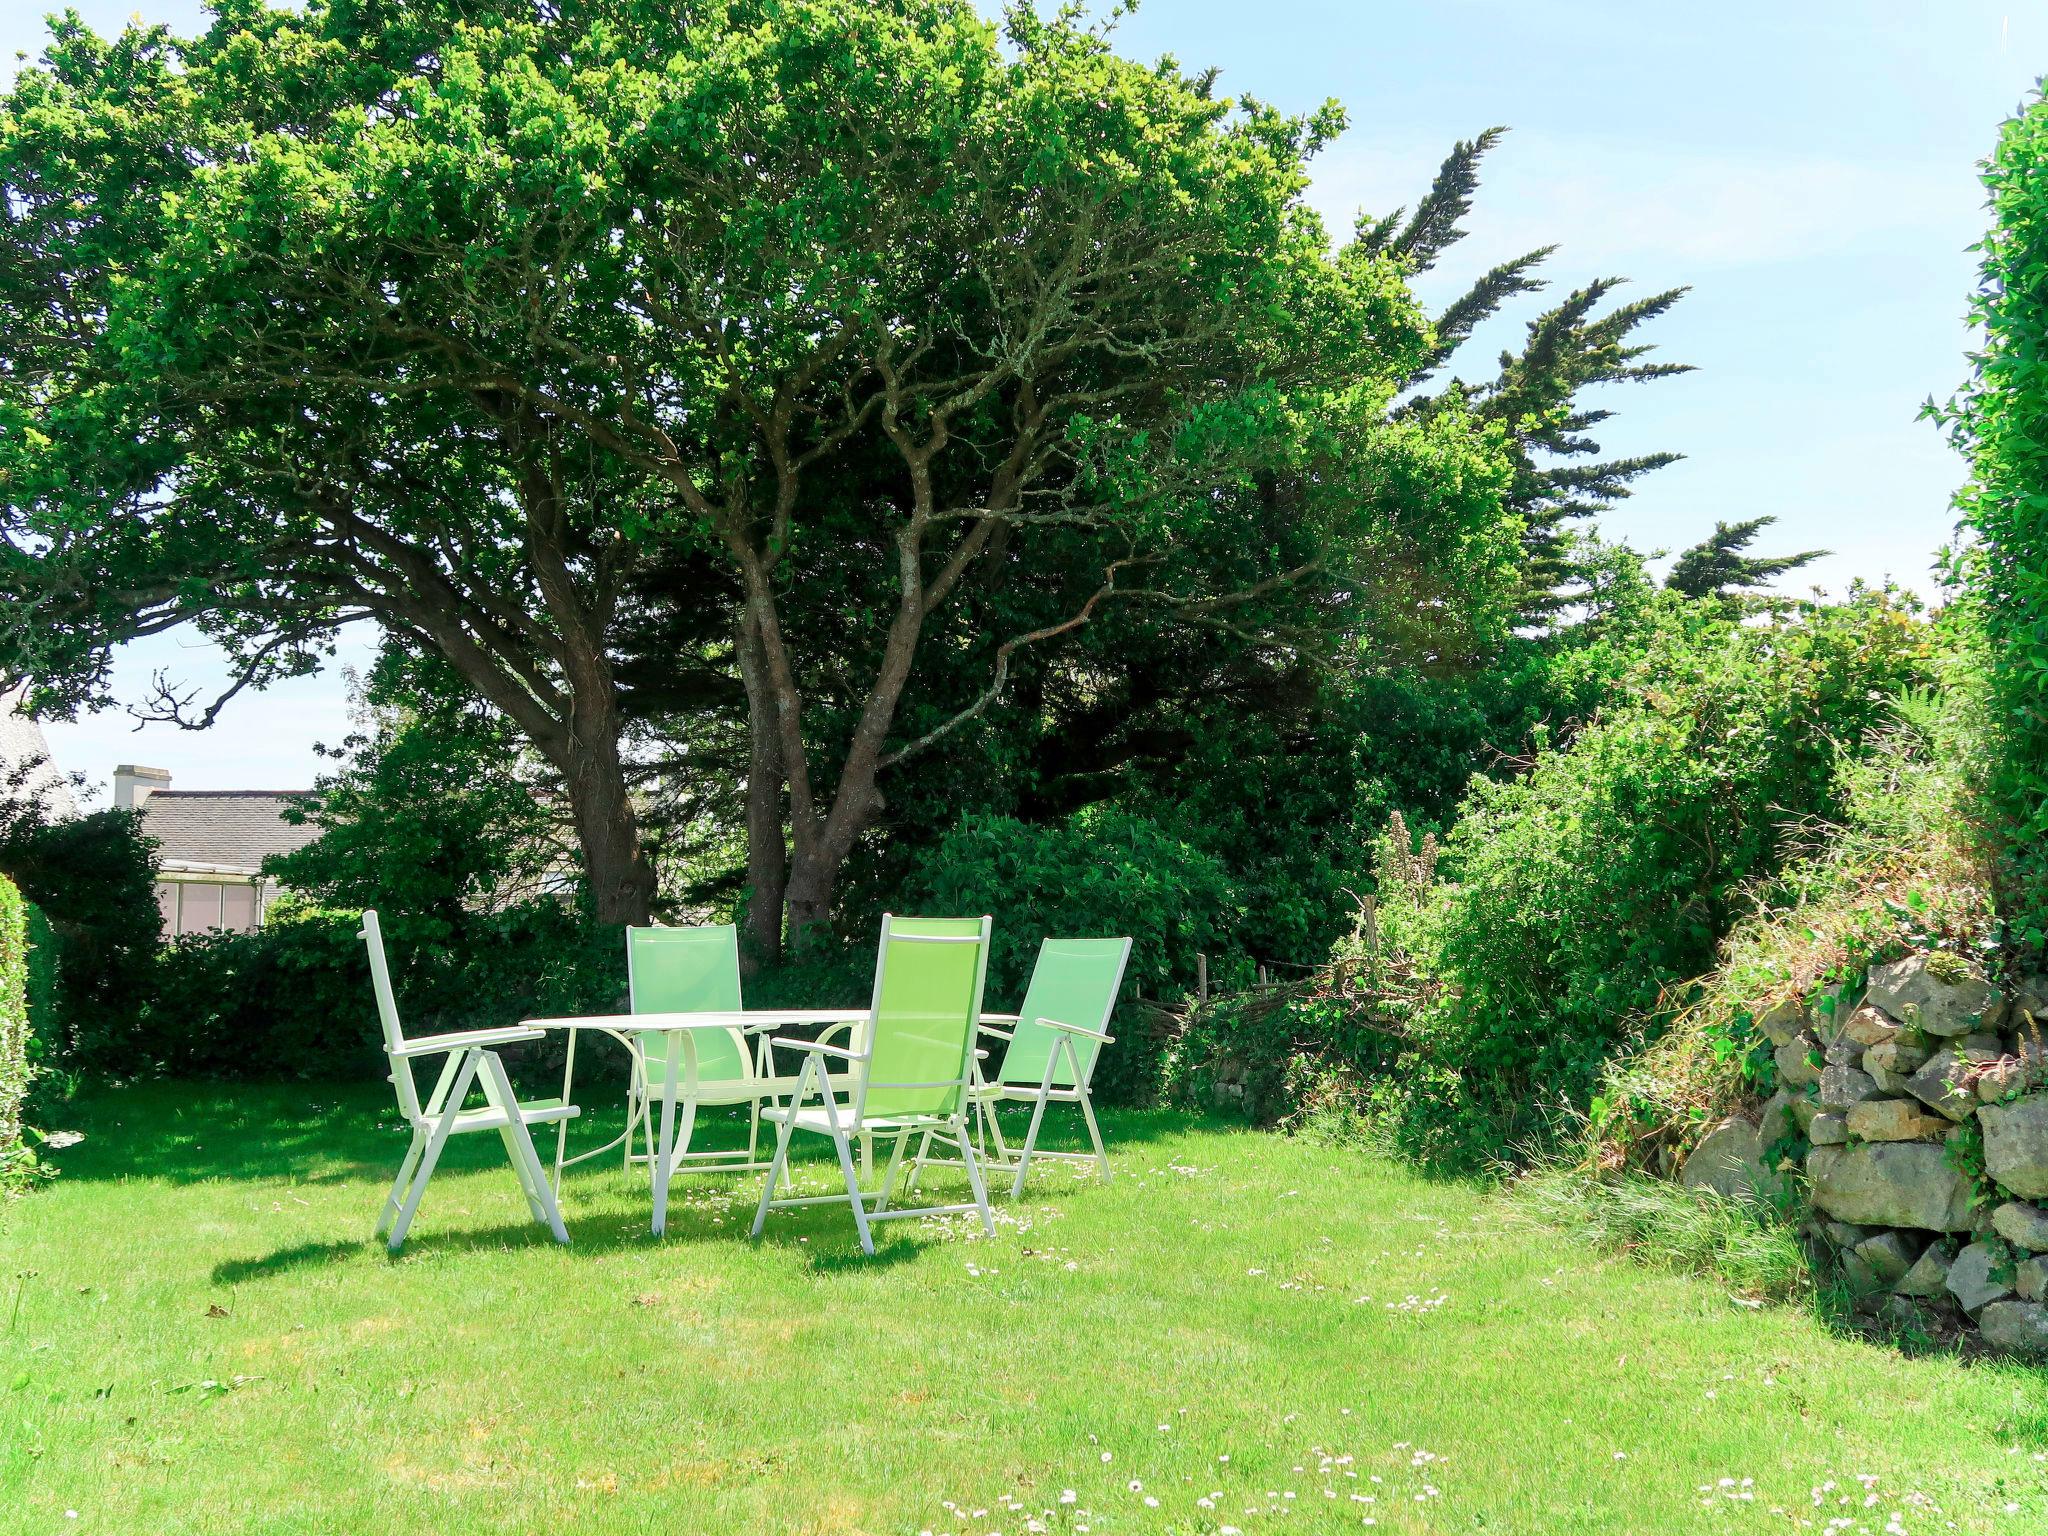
[1258, 1334]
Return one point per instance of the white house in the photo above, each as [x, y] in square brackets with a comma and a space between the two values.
[212, 844]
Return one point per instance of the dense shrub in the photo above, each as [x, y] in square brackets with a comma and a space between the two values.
[44, 962]
[1903, 868]
[1561, 921]
[2001, 420]
[14, 1062]
[94, 879]
[1574, 903]
[1102, 872]
[293, 999]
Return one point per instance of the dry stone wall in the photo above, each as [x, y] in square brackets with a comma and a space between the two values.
[1918, 1115]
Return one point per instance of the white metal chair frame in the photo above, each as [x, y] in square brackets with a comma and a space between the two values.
[471, 1057]
[843, 1122]
[988, 1095]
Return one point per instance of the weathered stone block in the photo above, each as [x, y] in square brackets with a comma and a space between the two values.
[1943, 996]
[1796, 1062]
[1945, 1085]
[1893, 1120]
[2022, 1225]
[2031, 1279]
[1728, 1160]
[2016, 1144]
[1929, 1274]
[1842, 1085]
[2016, 1327]
[1890, 1184]
[1969, 1278]
[1895, 1056]
[1890, 1256]
[1828, 1129]
[1781, 1023]
[1891, 1084]
[1868, 1026]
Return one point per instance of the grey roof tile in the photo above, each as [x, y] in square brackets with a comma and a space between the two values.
[236, 828]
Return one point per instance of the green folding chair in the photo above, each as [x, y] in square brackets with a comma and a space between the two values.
[913, 1074]
[471, 1060]
[687, 970]
[1060, 1030]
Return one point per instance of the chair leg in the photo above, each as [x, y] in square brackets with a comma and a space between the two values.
[562, 1126]
[399, 1184]
[449, 1107]
[525, 1161]
[995, 1130]
[988, 1221]
[1095, 1136]
[775, 1168]
[889, 1174]
[924, 1146]
[1024, 1152]
[860, 1215]
[429, 1156]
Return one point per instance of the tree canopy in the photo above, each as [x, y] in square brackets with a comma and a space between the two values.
[818, 363]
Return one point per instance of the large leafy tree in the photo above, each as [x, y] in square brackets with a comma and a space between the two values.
[468, 319]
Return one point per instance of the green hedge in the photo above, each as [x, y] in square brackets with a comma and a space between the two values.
[14, 1066]
[292, 1000]
[2001, 420]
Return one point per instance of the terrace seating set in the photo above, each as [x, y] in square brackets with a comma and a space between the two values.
[906, 1069]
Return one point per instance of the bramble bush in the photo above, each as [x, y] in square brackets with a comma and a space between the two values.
[1574, 900]
[1566, 911]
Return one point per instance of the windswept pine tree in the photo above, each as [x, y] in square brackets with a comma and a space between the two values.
[1717, 566]
[1535, 392]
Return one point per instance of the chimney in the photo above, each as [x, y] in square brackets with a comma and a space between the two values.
[133, 784]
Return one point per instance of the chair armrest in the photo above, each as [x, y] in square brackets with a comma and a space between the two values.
[813, 1045]
[461, 1040]
[1075, 1029]
[1000, 1018]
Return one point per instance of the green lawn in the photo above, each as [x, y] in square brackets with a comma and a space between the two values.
[199, 1337]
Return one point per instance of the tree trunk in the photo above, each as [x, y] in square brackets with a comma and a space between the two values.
[767, 853]
[812, 877]
[616, 867]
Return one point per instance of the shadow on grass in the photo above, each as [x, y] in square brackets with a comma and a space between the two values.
[604, 1232]
[350, 1134]
[329, 1133]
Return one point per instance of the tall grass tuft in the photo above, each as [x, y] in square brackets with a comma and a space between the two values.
[1744, 1243]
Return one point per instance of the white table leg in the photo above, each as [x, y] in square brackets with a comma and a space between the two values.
[667, 1152]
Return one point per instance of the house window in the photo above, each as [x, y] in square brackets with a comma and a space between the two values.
[208, 906]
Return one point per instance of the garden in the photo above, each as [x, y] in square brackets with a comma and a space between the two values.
[1074, 890]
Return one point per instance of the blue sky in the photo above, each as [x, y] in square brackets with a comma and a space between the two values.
[1808, 169]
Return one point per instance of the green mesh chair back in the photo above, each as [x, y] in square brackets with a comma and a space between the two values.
[688, 970]
[928, 979]
[1075, 981]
